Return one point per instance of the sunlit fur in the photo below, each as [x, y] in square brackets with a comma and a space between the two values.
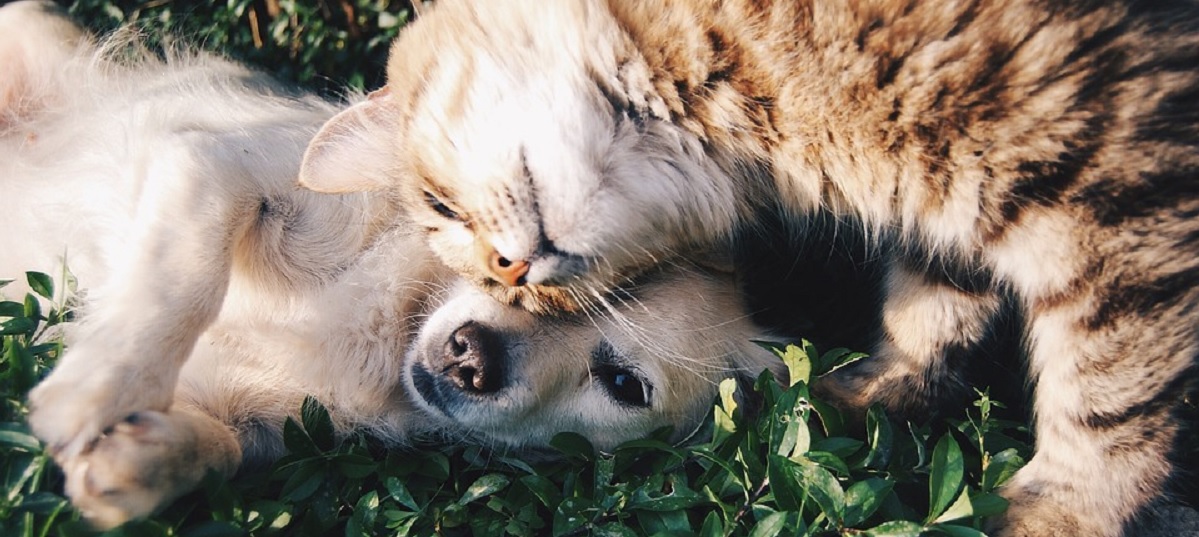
[215, 295]
[1040, 149]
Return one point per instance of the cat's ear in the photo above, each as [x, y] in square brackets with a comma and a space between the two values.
[353, 151]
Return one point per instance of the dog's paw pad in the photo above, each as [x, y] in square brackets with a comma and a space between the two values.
[131, 470]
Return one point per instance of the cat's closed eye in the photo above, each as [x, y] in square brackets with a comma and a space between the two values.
[437, 205]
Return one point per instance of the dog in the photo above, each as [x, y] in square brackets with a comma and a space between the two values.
[215, 295]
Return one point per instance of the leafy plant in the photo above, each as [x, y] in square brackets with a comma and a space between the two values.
[28, 351]
[793, 464]
[325, 45]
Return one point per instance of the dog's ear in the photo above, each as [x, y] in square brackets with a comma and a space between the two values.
[353, 151]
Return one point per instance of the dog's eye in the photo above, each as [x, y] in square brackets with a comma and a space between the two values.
[624, 386]
[436, 204]
[622, 383]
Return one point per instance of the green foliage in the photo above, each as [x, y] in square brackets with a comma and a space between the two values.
[792, 466]
[29, 504]
[322, 44]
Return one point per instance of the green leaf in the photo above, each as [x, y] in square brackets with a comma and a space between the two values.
[612, 529]
[786, 482]
[957, 531]
[297, 440]
[573, 445]
[789, 433]
[362, 519]
[829, 461]
[664, 522]
[41, 503]
[790, 481]
[712, 526]
[317, 423]
[831, 420]
[33, 308]
[839, 445]
[399, 492]
[15, 435]
[304, 481]
[863, 498]
[896, 528]
[484, 486]
[543, 489]
[945, 476]
[571, 515]
[836, 359]
[779, 523]
[9, 308]
[961, 508]
[880, 437]
[17, 325]
[1000, 468]
[799, 364]
[678, 497]
[988, 504]
[41, 284]
[725, 426]
[355, 466]
[213, 528]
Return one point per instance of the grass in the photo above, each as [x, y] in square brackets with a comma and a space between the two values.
[793, 463]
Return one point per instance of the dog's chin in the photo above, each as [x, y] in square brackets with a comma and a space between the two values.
[433, 394]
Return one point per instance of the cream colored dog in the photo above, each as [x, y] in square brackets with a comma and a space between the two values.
[217, 294]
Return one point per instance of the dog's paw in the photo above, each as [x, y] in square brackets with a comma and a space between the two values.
[86, 395]
[144, 462]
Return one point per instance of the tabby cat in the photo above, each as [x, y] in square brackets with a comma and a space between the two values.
[1040, 149]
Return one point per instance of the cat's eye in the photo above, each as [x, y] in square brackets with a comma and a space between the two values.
[623, 384]
[437, 205]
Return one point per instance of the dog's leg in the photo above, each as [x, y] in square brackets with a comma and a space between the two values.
[166, 287]
[146, 461]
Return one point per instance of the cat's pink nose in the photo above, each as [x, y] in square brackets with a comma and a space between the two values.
[508, 272]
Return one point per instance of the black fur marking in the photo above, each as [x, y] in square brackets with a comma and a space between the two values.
[1045, 183]
[1162, 401]
[724, 59]
[1144, 299]
[1176, 119]
[1113, 202]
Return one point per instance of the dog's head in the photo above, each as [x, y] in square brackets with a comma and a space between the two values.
[651, 358]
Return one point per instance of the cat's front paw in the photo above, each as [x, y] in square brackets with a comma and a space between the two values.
[86, 395]
[143, 463]
[1035, 513]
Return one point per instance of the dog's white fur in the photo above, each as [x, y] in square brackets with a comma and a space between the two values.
[218, 294]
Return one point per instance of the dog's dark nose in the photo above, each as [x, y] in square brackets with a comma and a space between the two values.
[473, 359]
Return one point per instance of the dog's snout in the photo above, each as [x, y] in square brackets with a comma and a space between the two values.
[473, 359]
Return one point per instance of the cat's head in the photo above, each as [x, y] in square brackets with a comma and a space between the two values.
[527, 141]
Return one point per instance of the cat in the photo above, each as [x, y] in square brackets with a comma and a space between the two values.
[215, 295]
[1040, 150]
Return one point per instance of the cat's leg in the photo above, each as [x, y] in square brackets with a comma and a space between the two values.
[167, 284]
[1113, 347]
[147, 461]
[930, 325]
